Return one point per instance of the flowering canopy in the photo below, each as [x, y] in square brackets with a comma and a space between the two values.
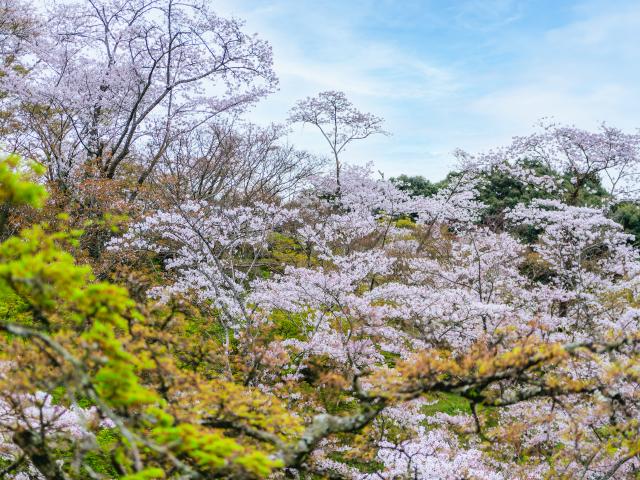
[251, 317]
[411, 296]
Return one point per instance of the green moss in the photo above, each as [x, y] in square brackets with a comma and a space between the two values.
[337, 404]
[286, 250]
[448, 403]
[405, 222]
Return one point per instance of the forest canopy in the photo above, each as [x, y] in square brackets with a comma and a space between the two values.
[187, 295]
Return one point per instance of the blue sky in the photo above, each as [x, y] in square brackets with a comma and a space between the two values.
[448, 74]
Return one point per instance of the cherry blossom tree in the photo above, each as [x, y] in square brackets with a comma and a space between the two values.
[338, 120]
[285, 322]
[398, 300]
[232, 163]
[18, 27]
[608, 155]
[106, 79]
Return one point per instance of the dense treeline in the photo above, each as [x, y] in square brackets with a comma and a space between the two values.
[186, 295]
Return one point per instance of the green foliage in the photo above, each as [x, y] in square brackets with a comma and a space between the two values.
[59, 294]
[627, 214]
[38, 271]
[16, 182]
[500, 191]
[587, 192]
[146, 474]
[212, 451]
[17, 188]
[91, 325]
[12, 306]
[416, 185]
[390, 358]
[210, 327]
[288, 325]
[100, 460]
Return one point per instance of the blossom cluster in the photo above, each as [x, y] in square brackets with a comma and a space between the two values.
[381, 275]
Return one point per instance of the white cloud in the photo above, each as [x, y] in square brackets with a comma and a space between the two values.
[582, 72]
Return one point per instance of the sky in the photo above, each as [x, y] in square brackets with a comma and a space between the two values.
[467, 74]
